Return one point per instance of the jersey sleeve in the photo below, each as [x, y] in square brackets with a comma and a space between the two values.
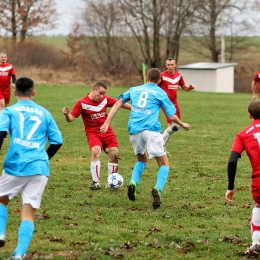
[181, 82]
[4, 120]
[53, 132]
[238, 145]
[125, 96]
[111, 101]
[257, 77]
[77, 109]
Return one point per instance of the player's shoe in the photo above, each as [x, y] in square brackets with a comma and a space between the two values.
[131, 190]
[95, 186]
[173, 128]
[255, 249]
[15, 257]
[156, 198]
[2, 240]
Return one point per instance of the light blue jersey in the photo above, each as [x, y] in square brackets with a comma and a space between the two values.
[29, 126]
[146, 101]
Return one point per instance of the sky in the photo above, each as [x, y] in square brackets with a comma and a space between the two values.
[67, 10]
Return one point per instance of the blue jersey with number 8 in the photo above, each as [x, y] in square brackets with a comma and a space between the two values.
[146, 102]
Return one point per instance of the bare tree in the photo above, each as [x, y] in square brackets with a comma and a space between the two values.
[22, 16]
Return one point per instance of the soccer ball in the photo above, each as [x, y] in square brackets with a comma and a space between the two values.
[115, 181]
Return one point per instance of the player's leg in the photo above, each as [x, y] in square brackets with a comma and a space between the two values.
[255, 218]
[172, 127]
[139, 147]
[95, 145]
[31, 196]
[113, 159]
[95, 167]
[156, 148]
[4, 200]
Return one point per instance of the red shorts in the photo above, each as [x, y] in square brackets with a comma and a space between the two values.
[255, 189]
[5, 93]
[178, 114]
[106, 140]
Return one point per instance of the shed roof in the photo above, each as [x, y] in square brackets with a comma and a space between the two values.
[206, 66]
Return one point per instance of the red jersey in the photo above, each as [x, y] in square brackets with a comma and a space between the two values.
[6, 72]
[93, 113]
[257, 79]
[249, 139]
[170, 84]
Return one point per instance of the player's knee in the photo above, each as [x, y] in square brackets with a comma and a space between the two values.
[113, 154]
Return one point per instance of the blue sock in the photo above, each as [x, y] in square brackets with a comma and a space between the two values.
[162, 177]
[3, 218]
[137, 171]
[25, 234]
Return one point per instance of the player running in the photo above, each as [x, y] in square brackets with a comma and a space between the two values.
[145, 131]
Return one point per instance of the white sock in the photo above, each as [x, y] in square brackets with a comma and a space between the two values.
[255, 220]
[95, 171]
[111, 168]
[166, 136]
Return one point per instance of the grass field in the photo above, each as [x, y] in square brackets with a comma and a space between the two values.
[194, 221]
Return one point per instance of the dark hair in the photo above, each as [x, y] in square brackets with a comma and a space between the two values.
[100, 84]
[24, 86]
[170, 59]
[153, 75]
[254, 108]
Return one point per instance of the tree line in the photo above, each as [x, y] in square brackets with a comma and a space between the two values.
[115, 36]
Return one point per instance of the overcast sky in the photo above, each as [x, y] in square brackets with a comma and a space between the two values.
[67, 10]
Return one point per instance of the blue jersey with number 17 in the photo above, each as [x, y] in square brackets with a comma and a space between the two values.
[146, 102]
[29, 126]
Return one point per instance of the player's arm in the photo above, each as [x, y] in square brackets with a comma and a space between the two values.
[2, 137]
[126, 106]
[253, 89]
[111, 114]
[52, 149]
[231, 171]
[187, 88]
[176, 120]
[69, 117]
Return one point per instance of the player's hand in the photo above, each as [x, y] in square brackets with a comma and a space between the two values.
[191, 86]
[65, 111]
[229, 195]
[186, 126]
[13, 85]
[103, 128]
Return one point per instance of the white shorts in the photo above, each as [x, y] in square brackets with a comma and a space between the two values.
[149, 141]
[31, 187]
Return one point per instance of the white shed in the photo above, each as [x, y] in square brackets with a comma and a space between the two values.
[209, 76]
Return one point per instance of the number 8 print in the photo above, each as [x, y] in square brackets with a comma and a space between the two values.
[142, 99]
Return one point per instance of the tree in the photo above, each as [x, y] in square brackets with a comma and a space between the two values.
[23, 16]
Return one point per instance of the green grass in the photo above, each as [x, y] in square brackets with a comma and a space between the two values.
[194, 222]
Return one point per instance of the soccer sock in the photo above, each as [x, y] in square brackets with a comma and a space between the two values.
[111, 168]
[162, 177]
[25, 234]
[3, 218]
[137, 171]
[255, 226]
[166, 135]
[95, 171]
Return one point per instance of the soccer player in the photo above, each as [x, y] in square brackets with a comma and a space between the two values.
[6, 72]
[253, 84]
[248, 140]
[170, 82]
[145, 130]
[26, 164]
[92, 109]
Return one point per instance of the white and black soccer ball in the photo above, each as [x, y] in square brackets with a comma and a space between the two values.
[115, 181]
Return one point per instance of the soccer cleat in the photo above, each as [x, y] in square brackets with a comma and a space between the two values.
[2, 240]
[15, 257]
[255, 249]
[131, 192]
[95, 186]
[156, 198]
[173, 128]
